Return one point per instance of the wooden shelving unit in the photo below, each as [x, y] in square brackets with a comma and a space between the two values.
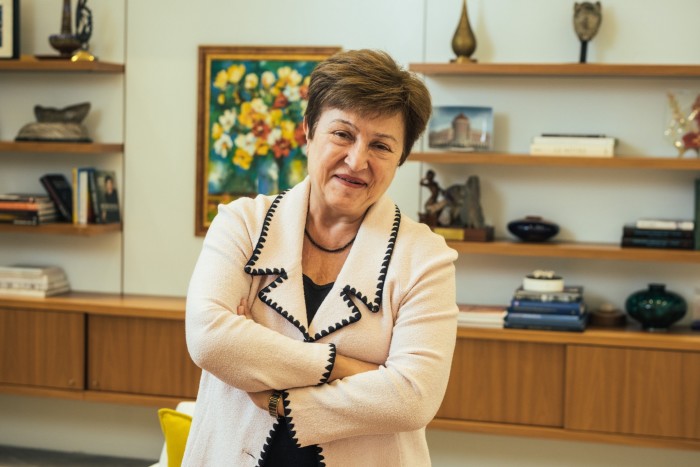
[617, 162]
[59, 147]
[59, 228]
[33, 64]
[557, 70]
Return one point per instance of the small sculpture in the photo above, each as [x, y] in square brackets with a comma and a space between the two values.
[57, 124]
[587, 19]
[684, 127]
[458, 215]
[83, 28]
[463, 41]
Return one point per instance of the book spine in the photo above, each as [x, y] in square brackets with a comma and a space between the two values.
[94, 199]
[545, 327]
[574, 141]
[56, 197]
[515, 317]
[674, 243]
[74, 215]
[630, 231]
[538, 310]
[83, 196]
[664, 224]
[697, 214]
[570, 150]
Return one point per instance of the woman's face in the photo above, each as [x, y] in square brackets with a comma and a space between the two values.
[352, 160]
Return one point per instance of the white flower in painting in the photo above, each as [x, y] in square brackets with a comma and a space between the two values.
[268, 79]
[247, 142]
[251, 81]
[274, 136]
[227, 119]
[223, 145]
[258, 106]
[292, 93]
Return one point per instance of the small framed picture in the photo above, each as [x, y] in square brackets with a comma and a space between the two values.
[456, 128]
[9, 28]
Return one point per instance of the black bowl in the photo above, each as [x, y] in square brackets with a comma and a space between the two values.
[533, 229]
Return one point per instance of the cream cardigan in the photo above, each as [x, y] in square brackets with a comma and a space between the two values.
[393, 304]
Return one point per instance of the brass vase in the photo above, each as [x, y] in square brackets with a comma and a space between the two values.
[463, 41]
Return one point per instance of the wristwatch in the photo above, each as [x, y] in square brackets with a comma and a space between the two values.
[272, 404]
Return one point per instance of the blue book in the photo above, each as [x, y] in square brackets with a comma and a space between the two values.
[555, 308]
[546, 322]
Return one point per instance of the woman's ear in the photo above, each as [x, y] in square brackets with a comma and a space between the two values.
[305, 127]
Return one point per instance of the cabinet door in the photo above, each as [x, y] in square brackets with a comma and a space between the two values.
[42, 348]
[506, 382]
[140, 356]
[633, 391]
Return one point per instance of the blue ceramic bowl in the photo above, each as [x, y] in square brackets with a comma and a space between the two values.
[533, 229]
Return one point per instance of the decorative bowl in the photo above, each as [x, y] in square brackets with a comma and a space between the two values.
[66, 44]
[656, 308]
[533, 229]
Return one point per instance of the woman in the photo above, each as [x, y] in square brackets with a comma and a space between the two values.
[324, 321]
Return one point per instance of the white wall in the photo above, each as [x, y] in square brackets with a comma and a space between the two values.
[159, 247]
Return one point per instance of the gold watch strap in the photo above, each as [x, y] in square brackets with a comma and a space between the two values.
[272, 404]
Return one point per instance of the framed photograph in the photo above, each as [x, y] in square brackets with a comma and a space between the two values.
[9, 28]
[461, 128]
[251, 104]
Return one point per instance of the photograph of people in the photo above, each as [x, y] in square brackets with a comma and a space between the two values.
[323, 318]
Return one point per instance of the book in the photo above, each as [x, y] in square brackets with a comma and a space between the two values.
[43, 283]
[39, 293]
[61, 193]
[83, 195]
[665, 224]
[482, 316]
[94, 198]
[108, 197]
[631, 230]
[671, 243]
[30, 270]
[547, 322]
[563, 149]
[573, 140]
[697, 213]
[570, 293]
[546, 308]
[24, 197]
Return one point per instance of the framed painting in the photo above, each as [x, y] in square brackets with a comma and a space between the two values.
[464, 128]
[251, 103]
[9, 28]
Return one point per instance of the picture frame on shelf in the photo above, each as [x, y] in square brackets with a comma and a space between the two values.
[9, 29]
[250, 141]
[461, 128]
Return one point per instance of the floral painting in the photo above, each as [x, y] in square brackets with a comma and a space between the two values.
[251, 107]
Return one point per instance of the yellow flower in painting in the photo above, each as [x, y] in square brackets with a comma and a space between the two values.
[221, 80]
[242, 159]
[221, 99]
[288, 127]
[245, 117]
[262, 148]
[275, 117]
[235, 73]
[283, 74]
[216, 131]
[251, 81]
[268, 79]
[295, 78]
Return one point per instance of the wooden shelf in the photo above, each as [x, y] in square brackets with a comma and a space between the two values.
[557, 69]
[60, 148]
[60, 228]
[617, 162]
[596, 251]
[33, 64]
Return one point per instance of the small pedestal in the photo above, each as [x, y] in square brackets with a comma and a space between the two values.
[484, 234]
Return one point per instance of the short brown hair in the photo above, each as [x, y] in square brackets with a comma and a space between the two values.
[369, 82]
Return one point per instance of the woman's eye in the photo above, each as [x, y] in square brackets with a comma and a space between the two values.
[342, 134]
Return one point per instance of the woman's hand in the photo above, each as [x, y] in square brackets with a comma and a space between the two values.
[262, 399]
[243, 309]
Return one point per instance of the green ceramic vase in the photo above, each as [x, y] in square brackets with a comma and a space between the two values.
[656, 308]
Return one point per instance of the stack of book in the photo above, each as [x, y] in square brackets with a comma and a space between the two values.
[573, 145]
[481, 316]
[659, 233]
[564, 310]
[26, 209]
[32, 281]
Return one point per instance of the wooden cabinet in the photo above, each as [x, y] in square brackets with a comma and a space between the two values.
[42, 348]
[622, 387]
[140, 356]
[110, 348]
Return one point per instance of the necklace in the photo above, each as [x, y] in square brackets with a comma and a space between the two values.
[328, 250]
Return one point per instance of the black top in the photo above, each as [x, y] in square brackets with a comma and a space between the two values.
[283, 451]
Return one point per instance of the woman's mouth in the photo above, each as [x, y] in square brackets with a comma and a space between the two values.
[352, 181]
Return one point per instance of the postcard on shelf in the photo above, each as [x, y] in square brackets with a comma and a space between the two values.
[460, 128]
[108, 199]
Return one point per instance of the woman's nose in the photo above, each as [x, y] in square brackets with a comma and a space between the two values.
[357, 157]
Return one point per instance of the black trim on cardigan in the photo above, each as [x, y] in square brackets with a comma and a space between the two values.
[266, 448]
[290, 425]
[263, 236]
[375, 306]
[329, 368]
